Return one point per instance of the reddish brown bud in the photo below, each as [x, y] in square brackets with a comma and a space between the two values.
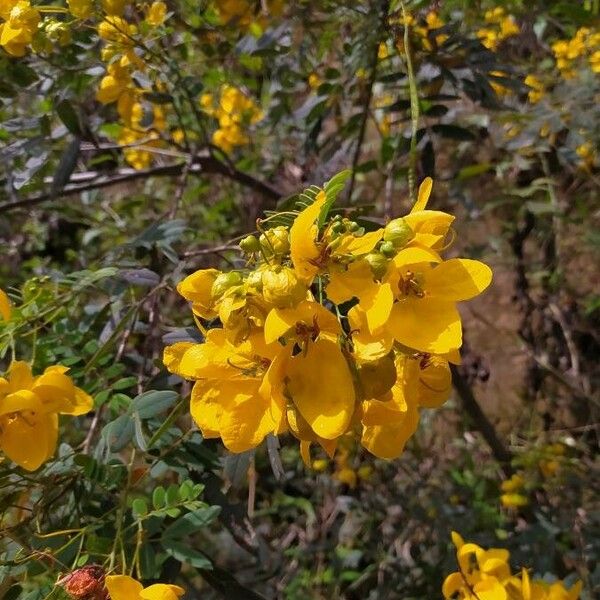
[86, 583]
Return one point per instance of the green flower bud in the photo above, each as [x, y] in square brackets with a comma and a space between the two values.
[378, 263]
[353, 226]
[377, 377]
[275, 241]
[224, 282]
[388, 249]
[281, 287]
[398, 232]
[337, 227]
[249, 244]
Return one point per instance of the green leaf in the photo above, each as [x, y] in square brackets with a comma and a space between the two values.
[453, 132]
[118, 433]
[186, 555]
[153, 402]
[191, 522]
[158, 497]
[68, 115]
[139, 508]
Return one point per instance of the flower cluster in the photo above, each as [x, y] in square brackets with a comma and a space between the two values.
[537, 88]
[29, 407]
[142, 121]
[585, 44]
[424, 30]
[486, 575]
[500, 27]
[18, 24]
[513, 492]
[329, 331]
[235, 112]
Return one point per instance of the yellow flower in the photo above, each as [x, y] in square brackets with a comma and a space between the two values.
[516, 482]
[122, 587]
[425, 292]
[156, 14]
[537, 88]
[303, 323]
[21, 22]
[5, 308]
[513, 500]
[29, 408]
[81, 9]
[319, 383]
[314, 81]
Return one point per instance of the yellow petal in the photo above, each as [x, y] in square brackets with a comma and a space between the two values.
[430, 227]
[458, 279]
[367, 346]
[305, 453]
[357, 246]
[121, 587]
[388, 441]
[19, 376]
[452, 584]
[56, 390]
[423, 196]
[5, 308]
[246, 417]
[426, 324]
[161, 591]
[490, 589]
[29, 439]
[377, 304]
[173, 354]
[213, 359]
[281, 320]
[435, 382]
[205, 408]
[22, 400]
[303, 235]
[197, 288]
[414, 256]
[320, 385]
[457, 540]
[83, 403]
[346, 284]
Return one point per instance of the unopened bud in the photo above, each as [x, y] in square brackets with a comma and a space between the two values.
[388, 249]
[249, 244]
[398, 232]
[275, 241]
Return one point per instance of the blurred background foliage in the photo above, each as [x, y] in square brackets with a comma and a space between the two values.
[126, 163]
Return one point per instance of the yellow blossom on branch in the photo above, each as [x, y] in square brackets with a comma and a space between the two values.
[29, 409]
[285, 351]
[487, 575]
[18, 24]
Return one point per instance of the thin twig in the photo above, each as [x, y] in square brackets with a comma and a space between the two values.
[98, 179]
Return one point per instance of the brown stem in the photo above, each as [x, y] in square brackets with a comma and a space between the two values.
[502, 454]
[96, 180]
